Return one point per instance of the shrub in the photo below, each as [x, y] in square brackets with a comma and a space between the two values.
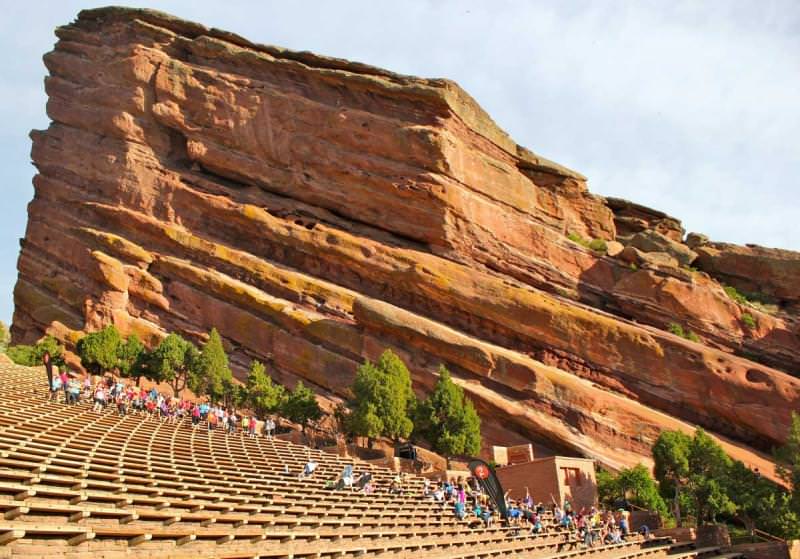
[575, 238]
[598, 245]
[678, 330]
[734, 294]
[748, 320]
[31, 355]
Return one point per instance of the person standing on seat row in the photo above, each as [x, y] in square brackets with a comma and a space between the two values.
[48, 367]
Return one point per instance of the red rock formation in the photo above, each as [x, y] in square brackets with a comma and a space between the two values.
[317, 211]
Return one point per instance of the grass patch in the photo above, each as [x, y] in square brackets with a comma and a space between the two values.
[595, 245]
[748, 320]
[686, 334]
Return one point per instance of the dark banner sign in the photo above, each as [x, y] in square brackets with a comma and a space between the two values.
[487, 478]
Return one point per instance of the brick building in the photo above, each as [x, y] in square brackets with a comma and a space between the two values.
[553, 478]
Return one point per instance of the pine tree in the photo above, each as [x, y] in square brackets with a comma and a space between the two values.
[211, 374]
[301, 406]
[263, 395]
[383, 399]
[172, 361]
[99, 351]
[671, 457]
[129, 357]
[448, 420]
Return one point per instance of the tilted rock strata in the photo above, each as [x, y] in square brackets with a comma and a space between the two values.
[317, 211]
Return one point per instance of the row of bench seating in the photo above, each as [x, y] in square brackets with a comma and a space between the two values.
[77, 483]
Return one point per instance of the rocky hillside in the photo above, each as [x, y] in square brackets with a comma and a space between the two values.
[317, 211]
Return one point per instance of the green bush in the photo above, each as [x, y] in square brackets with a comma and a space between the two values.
[575, 238]
[678, 330]
[748, 320]
[31, 355]
[23, 355]
[734, 294]
[598, 245]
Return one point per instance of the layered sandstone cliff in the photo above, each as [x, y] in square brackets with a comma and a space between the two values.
[317, 211]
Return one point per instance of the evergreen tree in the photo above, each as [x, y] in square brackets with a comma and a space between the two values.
[787, 460]
[129, 357]
[671, 457]
[448, 420]
[263, 395]
[99, 351]
[383, 399]
[708, 476]
[172, 362]
[5, 337]
[634, 485]
[301, 406]
[211, 375]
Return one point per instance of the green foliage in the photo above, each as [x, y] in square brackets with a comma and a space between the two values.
[383, 399]
[696, 468]
[575, 238]
[5, 337]
[448, 420]
[234, 394]
[263, 394]
[172, 361]
[301, 406]
[787, 460]
[706, 482]
[99, 350]
[597, 245]
[748, 320]
[708, 469]
[31, 355]
[130, 357]
[211, 373]
[634, 485]
[671, 457]
[734, 294]
[760, 503]
[678, 330]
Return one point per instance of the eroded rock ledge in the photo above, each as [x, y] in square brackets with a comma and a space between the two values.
[317, 210]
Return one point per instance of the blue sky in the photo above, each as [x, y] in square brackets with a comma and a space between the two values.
[690, 107]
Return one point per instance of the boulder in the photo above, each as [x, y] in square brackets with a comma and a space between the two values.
[653, 241]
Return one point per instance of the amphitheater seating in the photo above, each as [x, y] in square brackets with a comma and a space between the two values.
[74, 483]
